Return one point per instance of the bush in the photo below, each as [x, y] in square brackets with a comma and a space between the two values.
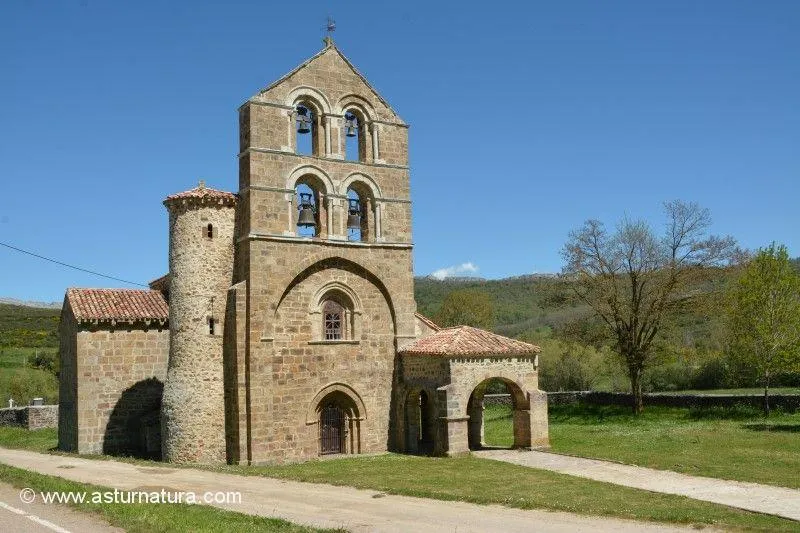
[29, 384]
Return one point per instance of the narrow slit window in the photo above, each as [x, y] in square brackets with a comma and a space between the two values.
[211, 324]
[210, 231]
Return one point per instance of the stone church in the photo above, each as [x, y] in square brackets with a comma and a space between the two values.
[286, 328]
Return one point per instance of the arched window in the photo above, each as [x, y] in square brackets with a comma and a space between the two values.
[335, 321]
[355, 139]
[334, 316]
[307, 134]
[360, 213]
[311, 216]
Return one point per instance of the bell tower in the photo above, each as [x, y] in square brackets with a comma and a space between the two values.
[324, 230]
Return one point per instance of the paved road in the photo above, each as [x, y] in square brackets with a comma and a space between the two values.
[324, 505]
[19, 517]
[750, 496]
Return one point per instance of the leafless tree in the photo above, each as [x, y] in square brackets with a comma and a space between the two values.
[633, 278]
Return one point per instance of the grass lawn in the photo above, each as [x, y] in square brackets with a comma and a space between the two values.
[728, 444]
[752, 391]
[142, 517]
[482, 481]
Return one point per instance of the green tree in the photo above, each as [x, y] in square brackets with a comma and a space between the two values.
[633, 278]
[466, 307]
[764, 316]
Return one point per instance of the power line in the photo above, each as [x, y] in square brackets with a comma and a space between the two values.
[71, 266]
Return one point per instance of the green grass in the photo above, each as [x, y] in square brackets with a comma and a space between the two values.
[753, 391]
[482, 481]
[737, 444]
[39, 440]
[23, 384]
[147, 518]
[471, 479]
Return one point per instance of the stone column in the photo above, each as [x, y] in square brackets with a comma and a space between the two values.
[374, 130]
[476, 437]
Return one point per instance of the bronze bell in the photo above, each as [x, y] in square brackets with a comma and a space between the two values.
[351, 125]
[303, 120]
[354, 214]
[305, 218]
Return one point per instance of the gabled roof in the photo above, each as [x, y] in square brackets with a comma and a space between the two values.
[427, 321]
[467, 341]
[204, 194]
[117, 305]
[160, 284]
[330, 45]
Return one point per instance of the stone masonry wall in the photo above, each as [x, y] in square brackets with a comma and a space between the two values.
[30, 417]
[201, 270]
[121, 374]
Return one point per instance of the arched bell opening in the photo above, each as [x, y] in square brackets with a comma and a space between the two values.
[308, 128]
[311, 213]
[360, 213]
[501, 423]
[354, 131]
[420, 422]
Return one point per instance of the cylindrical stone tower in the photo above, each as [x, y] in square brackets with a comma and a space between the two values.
[201, 236]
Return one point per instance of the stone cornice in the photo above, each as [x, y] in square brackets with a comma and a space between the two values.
[331, 159]
[329, 242]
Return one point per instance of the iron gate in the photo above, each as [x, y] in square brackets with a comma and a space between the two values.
[332, 430]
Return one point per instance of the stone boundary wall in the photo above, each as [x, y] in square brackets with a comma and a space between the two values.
[787, 402]
[30, 416]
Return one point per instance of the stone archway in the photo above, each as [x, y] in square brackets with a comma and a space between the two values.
[520, 406]
[420, 422]
[338, 412]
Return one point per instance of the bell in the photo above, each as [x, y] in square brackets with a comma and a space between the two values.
[351, 124]
[305, 218]
[354, 214]
[353, 221]
[303, 120]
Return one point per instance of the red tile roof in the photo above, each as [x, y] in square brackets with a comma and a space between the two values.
[466, 340]
[427, 321]
[118, 305]
[204, 194]
[160, 284]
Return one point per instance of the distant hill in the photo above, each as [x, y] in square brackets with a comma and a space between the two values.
[534, 307]
[32, 303]
[27, 326]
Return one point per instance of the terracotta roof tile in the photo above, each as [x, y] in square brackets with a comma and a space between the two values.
[205, 194]
[466, 340]
[427, 321]
[160, 284]
[129, 305]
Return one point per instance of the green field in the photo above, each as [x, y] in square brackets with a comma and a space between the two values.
[471, 479]
[734, 444]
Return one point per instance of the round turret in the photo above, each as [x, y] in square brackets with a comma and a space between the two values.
[201, 242]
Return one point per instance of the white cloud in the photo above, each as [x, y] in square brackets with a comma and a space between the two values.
[457, 270]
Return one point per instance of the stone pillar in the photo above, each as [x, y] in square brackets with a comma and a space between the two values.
[374, 130]
[327, 136]
[476, 437]
[540, 437]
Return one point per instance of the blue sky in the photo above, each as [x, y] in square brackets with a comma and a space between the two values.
[526, 119]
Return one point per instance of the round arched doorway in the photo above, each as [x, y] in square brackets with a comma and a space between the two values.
[339, 423]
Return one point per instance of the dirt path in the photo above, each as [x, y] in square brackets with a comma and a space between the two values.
[323, 505]
[749, 496]
[17, 516]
